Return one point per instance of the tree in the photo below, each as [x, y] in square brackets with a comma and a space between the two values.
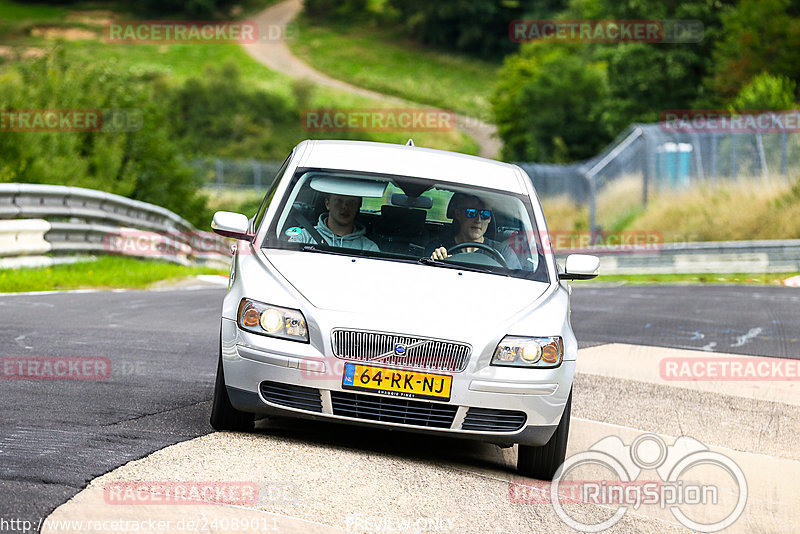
[136, 158]
[546, 105]
[477, 27]
[759, 36]
[766, 92]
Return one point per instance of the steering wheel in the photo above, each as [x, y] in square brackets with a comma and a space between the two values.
[496, 255]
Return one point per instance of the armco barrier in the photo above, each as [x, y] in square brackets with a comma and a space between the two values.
[768, 256]
[59, 219]
[69, 220]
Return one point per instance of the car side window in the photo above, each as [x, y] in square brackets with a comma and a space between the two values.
[262, 209]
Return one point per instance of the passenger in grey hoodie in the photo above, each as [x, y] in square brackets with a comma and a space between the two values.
[338, 227]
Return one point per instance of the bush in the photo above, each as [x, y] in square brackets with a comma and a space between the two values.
[139, 161]
[220, 115]
[477, 27]
[766, 91]
[335, 9]
[547, 105]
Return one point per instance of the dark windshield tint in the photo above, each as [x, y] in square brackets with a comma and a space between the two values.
[405, 219]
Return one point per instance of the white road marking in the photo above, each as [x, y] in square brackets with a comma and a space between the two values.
[19, 339]
[751, 334]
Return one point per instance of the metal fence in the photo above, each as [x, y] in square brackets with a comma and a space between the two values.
[658, 158]
[236, 173]
[654, 156]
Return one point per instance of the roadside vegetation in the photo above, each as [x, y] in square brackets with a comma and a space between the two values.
[389, 62]
[184, 102]
[745, 210]
[107, 272]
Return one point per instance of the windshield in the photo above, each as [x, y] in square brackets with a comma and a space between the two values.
[400, 218]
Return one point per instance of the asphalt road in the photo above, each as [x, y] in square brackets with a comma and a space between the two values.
[55, 436]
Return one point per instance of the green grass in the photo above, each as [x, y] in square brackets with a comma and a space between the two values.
[698, 278]
[108, 272]
[179, 62]
[383, 61]
[13, 11]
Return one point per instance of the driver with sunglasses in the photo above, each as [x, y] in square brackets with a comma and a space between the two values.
[471, 217]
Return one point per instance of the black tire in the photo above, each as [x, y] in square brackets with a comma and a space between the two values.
[543, 462]
[223, 415]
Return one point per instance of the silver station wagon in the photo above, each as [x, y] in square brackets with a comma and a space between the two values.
[400, 287]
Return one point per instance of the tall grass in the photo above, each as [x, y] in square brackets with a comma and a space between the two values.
[739, 211]
[746, 210]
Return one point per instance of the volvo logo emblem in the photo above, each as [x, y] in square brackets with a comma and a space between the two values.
[400, 350]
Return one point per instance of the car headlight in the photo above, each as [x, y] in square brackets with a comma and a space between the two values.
[535, 352]
[269, 320]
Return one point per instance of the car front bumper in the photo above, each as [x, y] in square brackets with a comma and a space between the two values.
[250, 362]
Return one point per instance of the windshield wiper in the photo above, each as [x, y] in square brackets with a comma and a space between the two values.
[446, 265]
[314, 248]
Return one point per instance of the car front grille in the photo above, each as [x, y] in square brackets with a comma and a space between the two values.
[393, 410]
[485, 420]
[421, 353]
[299, 397]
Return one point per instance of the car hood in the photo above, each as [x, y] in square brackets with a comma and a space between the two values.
[404, 291]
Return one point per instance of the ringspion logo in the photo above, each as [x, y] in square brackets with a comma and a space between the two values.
[721, 490]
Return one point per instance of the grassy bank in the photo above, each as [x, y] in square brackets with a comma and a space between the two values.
[746, 210]
[32, 30]
[108, 272]
[382, 60]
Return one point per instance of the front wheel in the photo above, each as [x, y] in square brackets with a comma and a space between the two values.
[543, 462]
[223, 415]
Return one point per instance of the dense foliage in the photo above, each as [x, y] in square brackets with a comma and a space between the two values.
[476, 27]
[144, 155]
[139, 160]
[560, 101]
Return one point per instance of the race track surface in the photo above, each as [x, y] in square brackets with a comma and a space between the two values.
[58, 435]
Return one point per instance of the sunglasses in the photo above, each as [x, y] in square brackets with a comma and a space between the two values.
[473, 212]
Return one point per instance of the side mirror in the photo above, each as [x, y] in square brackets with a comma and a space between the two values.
[229, 224]
[580, 267]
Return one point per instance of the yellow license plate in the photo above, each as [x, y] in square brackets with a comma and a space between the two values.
[396, 382]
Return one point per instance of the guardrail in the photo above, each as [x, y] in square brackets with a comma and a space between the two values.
[40, 219]
[768, 256]
[61, 220]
